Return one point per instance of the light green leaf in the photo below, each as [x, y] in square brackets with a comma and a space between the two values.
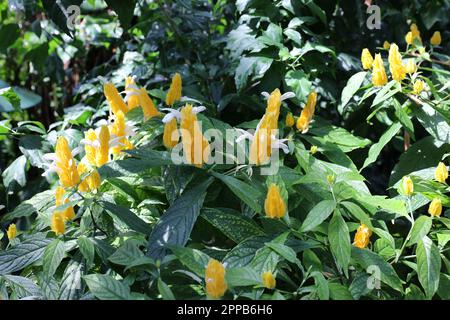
[339, 237]
[241, 277]
[165, 291]
[53, 255]
[318, 214]
[366, 258]
[420, 229]
[353, 84]
[375, 149]
[105, 287]
[23, 254]
[193, 259]
[428, 265]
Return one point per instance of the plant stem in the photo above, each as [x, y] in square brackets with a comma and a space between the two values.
[409, 233]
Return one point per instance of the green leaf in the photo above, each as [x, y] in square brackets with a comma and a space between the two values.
[237, 228]
[284, 251]
[339, 292]
[9, 33]
[251, 66]
[375, 149]
[71, 285]
[126, 254]
[23, 254]
[23, 287]
[30, 206]
[58, 13]
[16, 172]
[105, 287]
[87, 249]
[357, 213]
[433, 122]
[318, 214]
[322, 285]
[366, 258]
[299, 83]
[9, 100]
[241, 277]
[175, 225]
[193, 259]
[250, 195]
[420, 229]
[165, 291]
[353, 85]
[124, 9]
[386, 92]
[339, 237]
[428, 265]
[243, 253]
[53, 255]
[132, 166]
[127, 216]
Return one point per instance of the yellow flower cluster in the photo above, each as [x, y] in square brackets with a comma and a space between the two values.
[268, 280]
[171, 135]
[135, 97]
[414, 33]
[307, 113]
[261, 146]
[362, 236]
[274, 205]
[398, 70]
[215, 279]
[195, 147]
[11, 233]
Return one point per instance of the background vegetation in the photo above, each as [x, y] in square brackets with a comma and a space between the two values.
[227, 53]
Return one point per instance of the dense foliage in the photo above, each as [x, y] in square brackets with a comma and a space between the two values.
[136, 145]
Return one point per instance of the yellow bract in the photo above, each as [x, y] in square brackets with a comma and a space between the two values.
[215, 279]
[58, 226]
[436, 38]
[396, 66]
[115, 101]
[313, 150]
[11, 233]
[435, 208]
[441, 173]
[409, 38]
[102, 152]
[411, 66]
[386, 45]
[171, 134]
[133, 100]
[362, 237]
[90, 151]
[118, 129]
[418, 86]
[148, 107]
[366, 59]
[195, 147]
[274, 205]
[408, 186]
[65, 163]
[68, 213]
[268, 280]
[379, 77]
[174, 93]
[91, 182]
[307, 113]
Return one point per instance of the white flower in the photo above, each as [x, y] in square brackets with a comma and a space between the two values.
[175, 113]
[275, 142]
[284, 96]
